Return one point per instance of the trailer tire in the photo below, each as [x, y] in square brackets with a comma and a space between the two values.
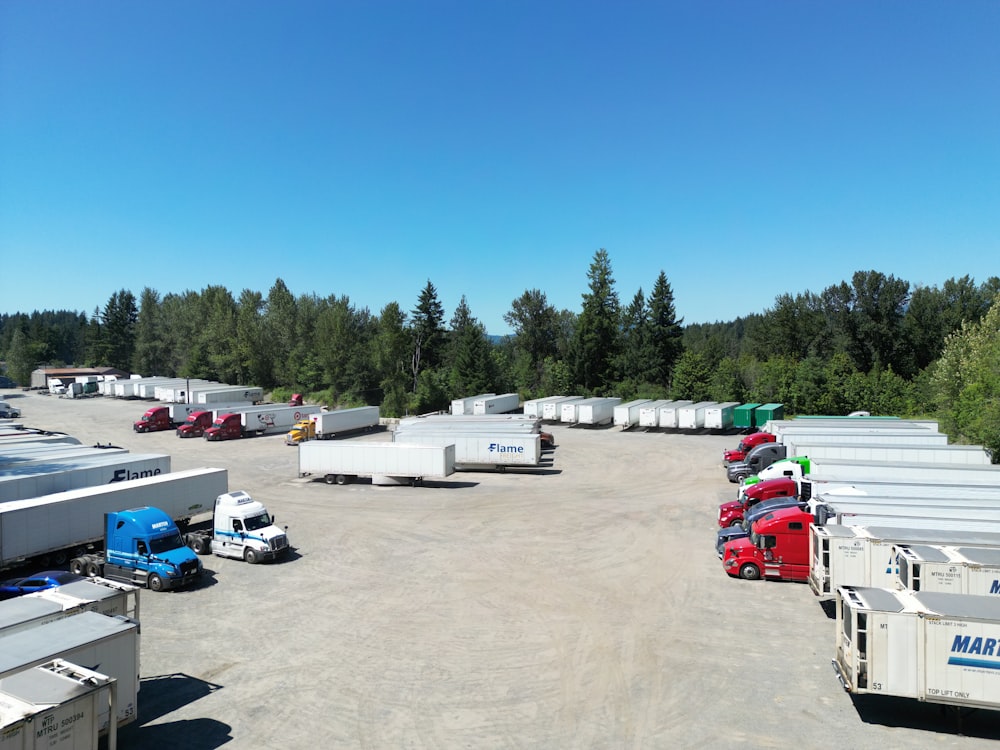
[93, 569]
[330, 479]
[749, 572]
[342, 479]
[251, 556]
[154, 582]
[78, 566]
[60, 557]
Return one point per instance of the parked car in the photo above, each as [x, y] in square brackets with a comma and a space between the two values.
[47, 579]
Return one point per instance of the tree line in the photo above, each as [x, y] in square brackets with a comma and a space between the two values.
[875, 342]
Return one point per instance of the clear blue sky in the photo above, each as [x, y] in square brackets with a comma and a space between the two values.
[361, 148]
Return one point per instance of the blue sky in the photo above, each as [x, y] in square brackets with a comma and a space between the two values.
[746, 149]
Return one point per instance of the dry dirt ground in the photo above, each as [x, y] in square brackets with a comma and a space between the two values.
[578, 606]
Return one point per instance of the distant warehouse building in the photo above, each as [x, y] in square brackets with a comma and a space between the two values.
[40, 378]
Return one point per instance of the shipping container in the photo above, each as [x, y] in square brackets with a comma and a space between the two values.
[743, 416]
[692, 416]
[627, 415]
[953, 570]
[720, 416]
[929, 646]
[386, 463]
[767, 412]
[86, 471]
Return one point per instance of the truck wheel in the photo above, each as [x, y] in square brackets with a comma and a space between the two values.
[329, 479]
[250, 555]
[749, 572]
[93, 569]
[342, 479]
[77, 566]
[199, 543]
[734, 524]
[154, 582]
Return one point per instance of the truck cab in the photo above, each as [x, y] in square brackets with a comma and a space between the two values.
[759, 457]
[144, 546]
[750, 441]
[778, 547]
[304, 429]
[226, 427]
[195, 425]
[732, 513]
[155, 419]
[242, 529]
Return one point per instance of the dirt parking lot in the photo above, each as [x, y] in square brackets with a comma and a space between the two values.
[578, 606]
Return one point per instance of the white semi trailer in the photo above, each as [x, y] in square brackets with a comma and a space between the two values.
[627, 415]
[720, 416]
[954, 570]
[55, 705]
[865, 556]
[692, 416]
[385, 463]
[552, 410]
[649, 414]
[479, 451]
[669, 414]
[929, 646]
[596, 411]
[54, 527]
[533, 407]
[48, 477]
[959, 455]
[838, 470]
[87, 638]
[498, 404]
[466, 405]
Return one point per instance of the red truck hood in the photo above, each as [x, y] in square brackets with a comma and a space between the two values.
[733, 455]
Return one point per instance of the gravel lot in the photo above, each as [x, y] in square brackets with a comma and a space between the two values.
[578, 606]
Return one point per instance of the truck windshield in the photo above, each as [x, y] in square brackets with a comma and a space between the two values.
[165, 543]
[261, 521]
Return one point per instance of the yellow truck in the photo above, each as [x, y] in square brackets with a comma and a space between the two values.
[328, 424]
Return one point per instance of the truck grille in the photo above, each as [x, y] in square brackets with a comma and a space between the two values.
[189, 568]
[279, 542]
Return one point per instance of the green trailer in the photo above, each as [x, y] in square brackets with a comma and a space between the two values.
[766, 412]
[743, 416]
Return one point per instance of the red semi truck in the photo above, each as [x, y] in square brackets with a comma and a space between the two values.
[155, 419]
[778, 547]
[195, 425]
[750, 441]
[732, 513]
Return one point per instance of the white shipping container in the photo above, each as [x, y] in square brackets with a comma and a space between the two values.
[552, 410]
[54, 705]
[627, 415]
[924, 645]
[71, 474]
[779, 426]
[953, 570]
[838, 470]
[228, 394]
[99, 595]
[467, 404]
[649, 414]
[843, 555]
[669, 414]
[501, 404]
[907, 438]
[596, 411]
[692, 416]
[65, 520]
[494, 450]
[330, 423]
[86, 638]
[720, 416]
[28, 456]
[960, 455]
[385, 463]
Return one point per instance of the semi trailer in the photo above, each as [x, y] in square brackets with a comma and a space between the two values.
[627, 415]
[385, 463]
[930, 646]
[466, 405]
[329, 424]
[85, 471]
[480, 451]
[720, 416]
[262, 420]
[692, 416]
[496, 404]
[649, 414]
[53, 528]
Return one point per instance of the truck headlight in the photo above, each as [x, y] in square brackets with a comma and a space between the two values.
[731, 562]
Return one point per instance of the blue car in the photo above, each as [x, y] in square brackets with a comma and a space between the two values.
[47, 579]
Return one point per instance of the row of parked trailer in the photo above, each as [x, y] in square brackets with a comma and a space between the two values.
[69, 656]
[653, 413]
[902, 531]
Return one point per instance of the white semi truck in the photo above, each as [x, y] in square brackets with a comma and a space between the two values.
[385, 463]
[242, 529]
[928, 646]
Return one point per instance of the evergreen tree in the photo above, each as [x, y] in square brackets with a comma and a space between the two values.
[665, 333]
[595, 342]
[150, 338]
[471, 367]
[536, 334]
[427, 332]
[20, 363]
[391, 352]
